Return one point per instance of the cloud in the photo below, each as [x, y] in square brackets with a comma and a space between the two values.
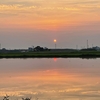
[64, 5]
[41, 14]
[51, 7]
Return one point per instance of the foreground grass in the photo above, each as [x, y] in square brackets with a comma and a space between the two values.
[7, 98]
[49, 54]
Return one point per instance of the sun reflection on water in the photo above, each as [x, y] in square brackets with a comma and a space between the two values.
[43, 78]
[55, 59]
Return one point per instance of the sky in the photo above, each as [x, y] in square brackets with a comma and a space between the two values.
[26, 23]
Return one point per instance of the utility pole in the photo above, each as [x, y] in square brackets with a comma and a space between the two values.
[77, 47]
[92, 45]
[55, 45]
[87, 44]
[0, 46]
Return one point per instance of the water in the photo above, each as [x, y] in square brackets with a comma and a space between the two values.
[50, 79]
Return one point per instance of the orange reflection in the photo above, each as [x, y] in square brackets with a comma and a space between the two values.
[55, 59]
[45, 82]
[56, 81]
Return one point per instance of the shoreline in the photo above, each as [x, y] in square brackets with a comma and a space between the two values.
[95, 54]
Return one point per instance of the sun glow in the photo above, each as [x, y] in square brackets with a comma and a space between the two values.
[55, 40]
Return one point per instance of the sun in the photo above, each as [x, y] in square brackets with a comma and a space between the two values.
[55, 40]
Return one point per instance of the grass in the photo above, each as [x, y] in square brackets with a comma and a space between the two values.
[7, 98]
[49, 54]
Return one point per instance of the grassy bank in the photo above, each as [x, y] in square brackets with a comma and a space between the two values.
[49, 54]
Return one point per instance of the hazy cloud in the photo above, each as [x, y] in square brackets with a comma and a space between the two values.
[57, 17]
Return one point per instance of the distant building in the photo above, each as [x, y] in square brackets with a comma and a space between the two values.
[96, 48]
[30, 49]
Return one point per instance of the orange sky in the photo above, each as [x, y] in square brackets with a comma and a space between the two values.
[51, 15]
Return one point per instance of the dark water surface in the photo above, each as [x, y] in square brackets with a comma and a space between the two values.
[50, 79]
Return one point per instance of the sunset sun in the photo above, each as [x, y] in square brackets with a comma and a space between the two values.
[55, 40]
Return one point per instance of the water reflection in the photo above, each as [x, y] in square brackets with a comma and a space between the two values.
[67, 79]
[55, 59]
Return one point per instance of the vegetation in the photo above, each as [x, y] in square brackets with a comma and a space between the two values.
[7, 98]
[52, 54]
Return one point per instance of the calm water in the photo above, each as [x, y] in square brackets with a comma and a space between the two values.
[50, 79]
